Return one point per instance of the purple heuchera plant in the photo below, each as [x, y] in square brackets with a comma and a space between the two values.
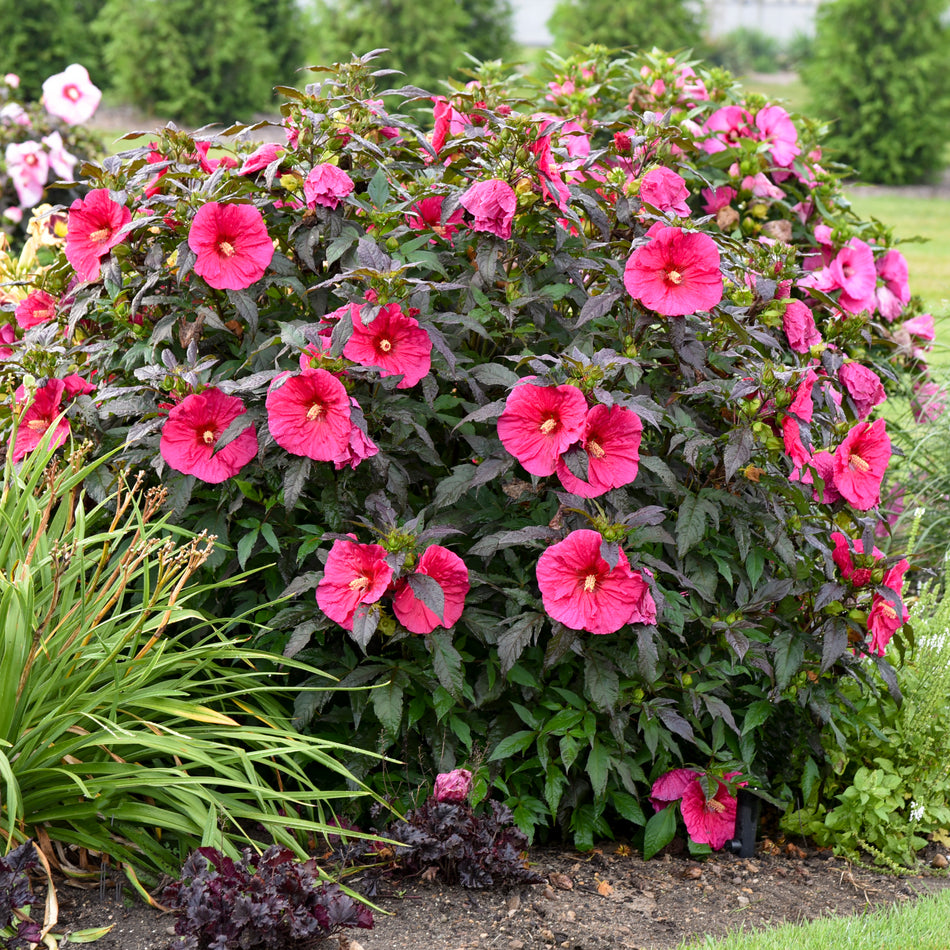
[453, 786]
[15, 893]
[267, 900]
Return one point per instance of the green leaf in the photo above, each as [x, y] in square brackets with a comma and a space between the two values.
[513, 745]
[598, 764]
[628, 808]
[387, 704]
[754, 565]
[659, 832]
[690, 524]
[601, 684]
[378, 189]
[246, 545]
[447, 663]
[756, 714]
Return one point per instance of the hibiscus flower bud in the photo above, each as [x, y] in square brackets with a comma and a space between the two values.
[452, 786]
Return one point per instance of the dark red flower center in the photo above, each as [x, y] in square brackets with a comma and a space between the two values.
[100, 236]
[360, 583]
[208, 437]
[590, 582]
[315, 411]
[31, 159]
[595, 450]
[674, 277]
[888, 611]
[713, 804]
[226, 248]
[549, 425]
[72, 93]
[39, 425]
[858, 464]
[384, 344]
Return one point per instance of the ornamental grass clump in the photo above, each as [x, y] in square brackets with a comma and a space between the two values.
[559, 399]
[133, 726]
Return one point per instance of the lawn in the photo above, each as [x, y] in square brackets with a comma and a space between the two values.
[918, 926]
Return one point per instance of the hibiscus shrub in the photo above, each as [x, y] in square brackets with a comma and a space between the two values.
[549, 422]
[43, 142]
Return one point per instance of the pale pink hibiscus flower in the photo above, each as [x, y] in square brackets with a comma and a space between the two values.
[854, 272]
[308, 414]
[94, 227]
[493, 205]
[61, 162]
[355, 574]
[860, 463]
[28, 168]
[326, 185]
[189, 442]
[540, 422]
[675, 273]
[231, 244]
[611, 439]
[394, 343]
[581, 590]
[71, 95]
[448, 570]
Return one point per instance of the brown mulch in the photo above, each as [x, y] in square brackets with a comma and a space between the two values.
[608, 899]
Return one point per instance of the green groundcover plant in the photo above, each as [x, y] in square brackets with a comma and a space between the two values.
[557, 422]
[886, 793]
[131, 726]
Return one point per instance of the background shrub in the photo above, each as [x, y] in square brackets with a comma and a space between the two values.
[880, 75]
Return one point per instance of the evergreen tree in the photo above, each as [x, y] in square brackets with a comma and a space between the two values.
[640, 24]
[41, 37]
[880, 75]
[428, 41]
[195, 60]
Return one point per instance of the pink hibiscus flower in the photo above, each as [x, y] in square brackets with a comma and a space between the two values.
[426, 215]
[93, 228]
[540, 422]
[28, 167]
[308, 413]
[776, 127]
[666, 191]
[884, 618]
[61, 162]
[231, 244]
[709, 821]
[447, 121]
[582, 591]
[842, 556]
[394, 343]
[611, 439]
[675, 273]
[355, 574]
[863, 386]
[452, 786]
[726, 126]
[260, 158]
[894, 293]
[854, 272]
[39, 417]
[191, 432]
[326, 185]
[928, 402]
[799, 325]
[860, 463]
[715, 199]
[71, 95]
[493, 204]
[448, 570]
[7, 335]
[37, 308]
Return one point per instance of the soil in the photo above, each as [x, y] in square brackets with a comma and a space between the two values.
[607, 899]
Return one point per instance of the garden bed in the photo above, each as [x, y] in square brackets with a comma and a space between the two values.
[602, 899]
